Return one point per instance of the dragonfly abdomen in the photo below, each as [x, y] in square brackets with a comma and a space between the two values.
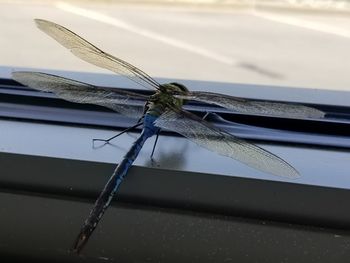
[149, 129]
[114, 182]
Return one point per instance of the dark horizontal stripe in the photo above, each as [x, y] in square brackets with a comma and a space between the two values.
[18, 102]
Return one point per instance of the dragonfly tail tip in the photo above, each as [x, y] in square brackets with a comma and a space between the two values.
[79, 243]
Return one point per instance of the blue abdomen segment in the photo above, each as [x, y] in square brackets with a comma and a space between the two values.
[120, 172]
[113, 183]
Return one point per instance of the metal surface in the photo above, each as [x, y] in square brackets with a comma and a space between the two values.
[178, 208]
[324, 167]
[167, 216]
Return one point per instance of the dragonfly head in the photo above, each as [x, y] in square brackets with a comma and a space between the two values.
[174, 88]
[171, 89]
[167, 92]
[179, 87]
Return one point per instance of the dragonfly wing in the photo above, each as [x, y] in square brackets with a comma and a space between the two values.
[89, 53]
[80, 92]
[254, 106]
[213, 139]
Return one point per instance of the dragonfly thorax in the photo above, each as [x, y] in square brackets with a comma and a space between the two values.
[164, 98]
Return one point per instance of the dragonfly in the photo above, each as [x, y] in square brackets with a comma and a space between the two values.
[163, 110]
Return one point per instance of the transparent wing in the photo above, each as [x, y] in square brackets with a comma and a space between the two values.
[203, 134]
[80, 92]
[89, 53]
[254, 106]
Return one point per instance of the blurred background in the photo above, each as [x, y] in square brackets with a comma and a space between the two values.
[299, 44]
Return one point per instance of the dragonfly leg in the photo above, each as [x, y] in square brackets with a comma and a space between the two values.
[206, 115]
[157, 135]
[115, 136]
[155, 143]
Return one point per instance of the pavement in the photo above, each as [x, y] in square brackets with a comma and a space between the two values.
[308, 50]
